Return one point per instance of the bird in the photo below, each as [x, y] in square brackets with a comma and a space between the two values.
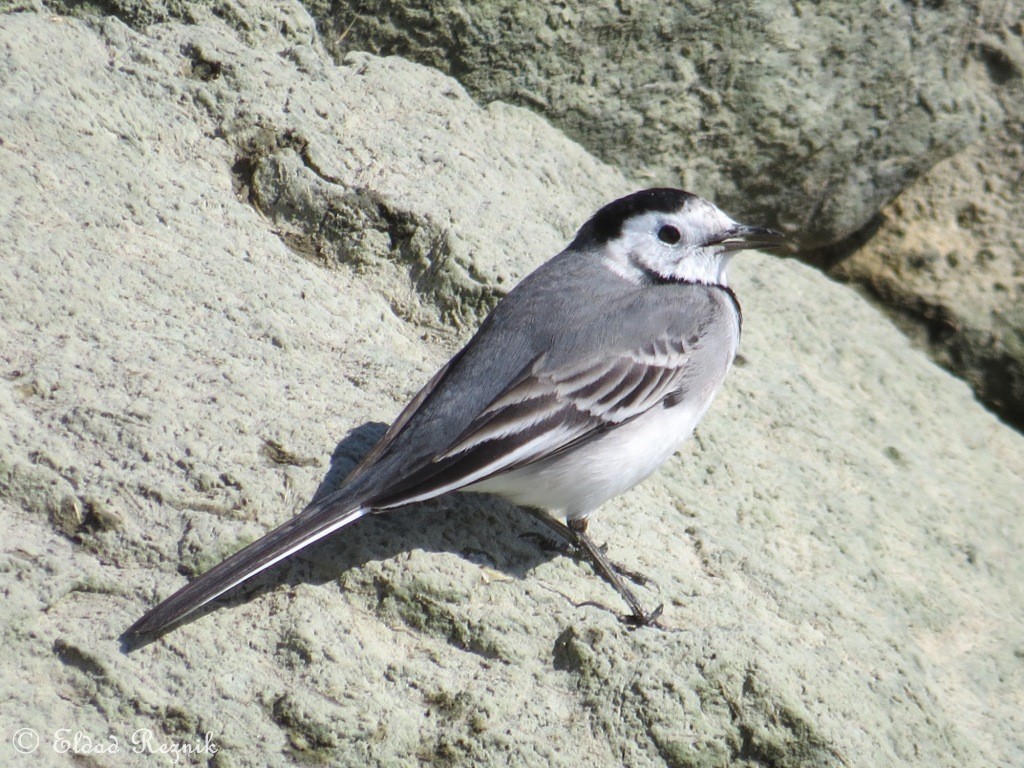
[582, 381]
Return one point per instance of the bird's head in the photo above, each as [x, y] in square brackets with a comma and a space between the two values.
[667, 235]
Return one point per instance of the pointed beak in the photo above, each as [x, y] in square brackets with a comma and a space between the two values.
[742, 237]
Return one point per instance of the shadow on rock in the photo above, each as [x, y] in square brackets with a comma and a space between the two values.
[484, 529]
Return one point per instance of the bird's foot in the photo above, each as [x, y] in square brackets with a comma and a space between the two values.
[581, 546]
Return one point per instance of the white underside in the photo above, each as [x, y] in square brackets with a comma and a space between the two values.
[578, 482]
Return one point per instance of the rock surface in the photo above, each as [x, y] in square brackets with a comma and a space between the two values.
[222, 253]
[806, 115]
[947, 260]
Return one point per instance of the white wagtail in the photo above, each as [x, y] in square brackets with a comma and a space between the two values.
[583, 380]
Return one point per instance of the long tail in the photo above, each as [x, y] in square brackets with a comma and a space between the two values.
[318, 520]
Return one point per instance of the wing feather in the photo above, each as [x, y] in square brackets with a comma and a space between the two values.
[549, 410]
[561, 397]
[545, 411]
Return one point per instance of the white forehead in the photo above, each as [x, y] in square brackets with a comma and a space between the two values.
[697, 221]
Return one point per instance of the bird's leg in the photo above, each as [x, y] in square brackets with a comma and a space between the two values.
[569, 546]
[605, 567]
[574, 548]
[575, 534]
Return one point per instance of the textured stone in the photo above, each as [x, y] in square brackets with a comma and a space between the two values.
[810, 116]
[947, 262]
[806, 115]
[839, 550]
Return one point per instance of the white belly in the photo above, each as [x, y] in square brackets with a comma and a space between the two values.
[578, 482]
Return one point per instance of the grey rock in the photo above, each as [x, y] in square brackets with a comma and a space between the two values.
[839, 550]
[809, 116]
[947, 262]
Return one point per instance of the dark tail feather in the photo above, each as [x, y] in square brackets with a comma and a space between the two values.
[319, 520]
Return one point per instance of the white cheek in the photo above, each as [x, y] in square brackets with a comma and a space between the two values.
[723, 264]
[703, 265]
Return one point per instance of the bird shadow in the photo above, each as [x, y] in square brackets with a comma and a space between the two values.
[481, 528]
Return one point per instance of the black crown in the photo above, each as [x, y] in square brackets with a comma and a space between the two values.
[606, 224]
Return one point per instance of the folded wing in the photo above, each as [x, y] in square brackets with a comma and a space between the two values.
[545, 411]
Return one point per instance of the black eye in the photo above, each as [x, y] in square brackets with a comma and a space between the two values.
[669, 234]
